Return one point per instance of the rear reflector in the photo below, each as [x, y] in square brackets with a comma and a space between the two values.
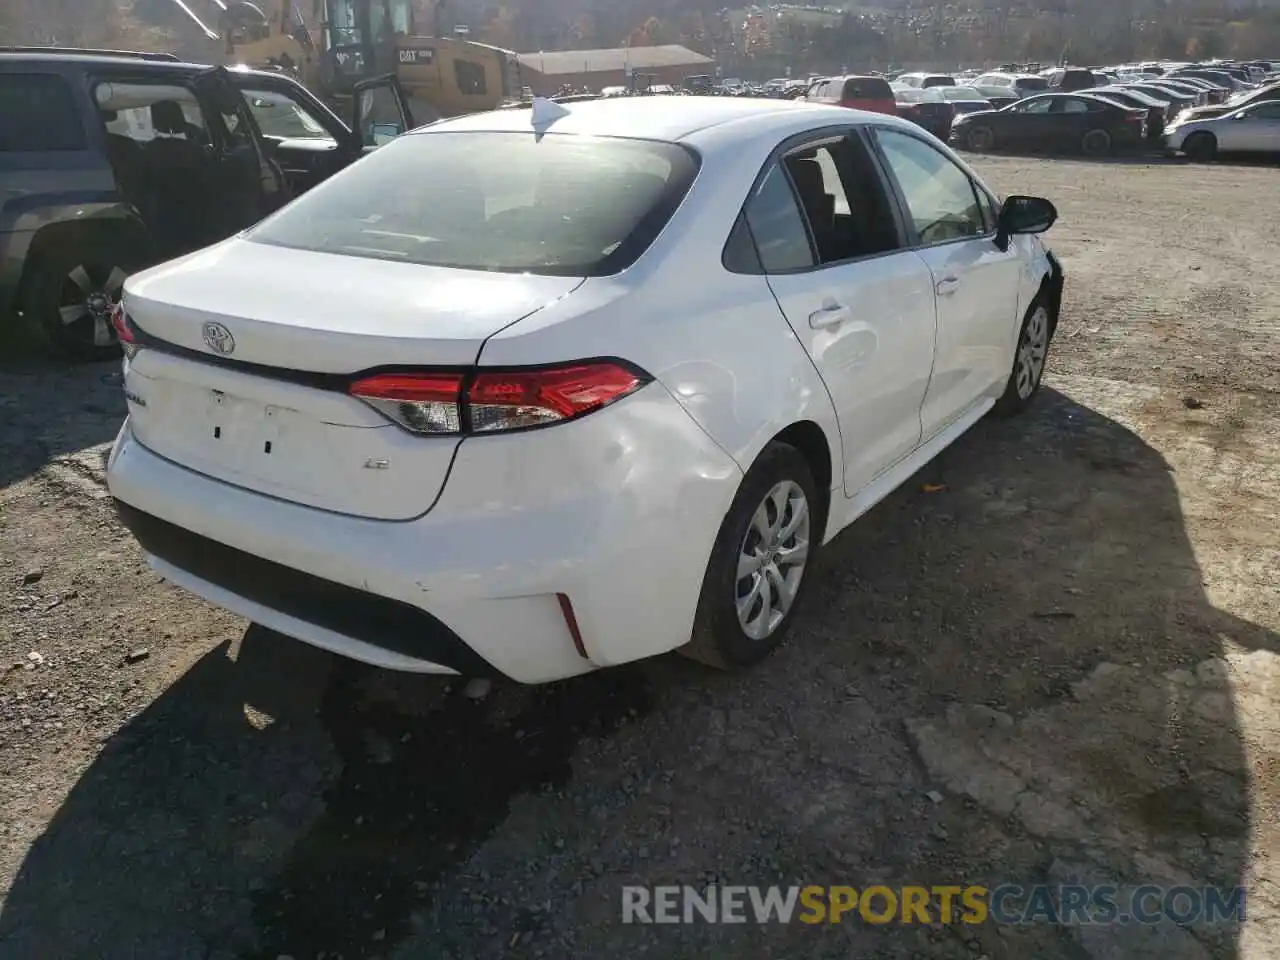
[124, 330]
[493, 401]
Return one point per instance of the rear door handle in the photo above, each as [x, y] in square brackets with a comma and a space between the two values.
[947, 286]
[830, 316]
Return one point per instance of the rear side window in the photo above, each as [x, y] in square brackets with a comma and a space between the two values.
[38, 113]
[557, 205]
[777, 226]
[867, 88]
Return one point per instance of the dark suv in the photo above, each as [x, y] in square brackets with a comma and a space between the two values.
[111, 162]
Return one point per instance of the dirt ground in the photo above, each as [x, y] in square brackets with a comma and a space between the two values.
[1063, 664]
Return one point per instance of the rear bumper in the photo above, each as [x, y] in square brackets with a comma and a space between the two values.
[617, 513]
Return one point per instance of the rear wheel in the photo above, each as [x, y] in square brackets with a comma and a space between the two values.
[757, 572]
[1201, 147]
[68, 296]
[980, 139]
[1096, 143]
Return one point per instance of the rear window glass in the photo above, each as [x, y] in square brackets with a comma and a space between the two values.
[37, 113]
[559, 205]
[867, 88]
[939, 81]
[1033, 83]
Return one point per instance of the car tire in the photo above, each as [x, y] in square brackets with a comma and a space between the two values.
[776, 511]
[67, 295]
[1201, 147]
[1096, 143]
[1029, 359]
[980, 140]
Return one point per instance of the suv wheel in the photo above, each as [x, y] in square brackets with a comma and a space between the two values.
[68, 297]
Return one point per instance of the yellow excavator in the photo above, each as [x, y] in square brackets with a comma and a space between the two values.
[347, 41]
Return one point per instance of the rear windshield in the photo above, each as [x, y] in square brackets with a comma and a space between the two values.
[867, 88]
[1032, 83]
[939, 81]
[558, 205]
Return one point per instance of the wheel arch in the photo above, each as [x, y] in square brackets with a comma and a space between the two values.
[810, 440]
[125, 230]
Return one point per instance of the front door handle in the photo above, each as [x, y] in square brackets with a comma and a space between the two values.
[829, 316]
[947, 286]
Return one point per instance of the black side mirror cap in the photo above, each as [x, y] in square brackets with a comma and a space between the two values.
[1019, 214]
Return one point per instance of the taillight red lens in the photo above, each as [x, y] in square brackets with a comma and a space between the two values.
[120, 323]
[428, 403]
[495, 400]
[513, 399]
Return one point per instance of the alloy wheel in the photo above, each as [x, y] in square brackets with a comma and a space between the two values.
[85, 299]
[1031, 353]
[772, 560]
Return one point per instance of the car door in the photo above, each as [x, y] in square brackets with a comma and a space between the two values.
[307, 141]
[245, 184]
[832, 246]
[952, 228]
[1255, 129]
[1026, 123]
[381, 111]
[1068, 116]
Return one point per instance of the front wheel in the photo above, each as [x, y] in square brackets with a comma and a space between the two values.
[1028, 360]
[980, 139]
[1096, 143]
[756, 575]
[1201, 147]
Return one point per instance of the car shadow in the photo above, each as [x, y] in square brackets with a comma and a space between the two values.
[276, 801]
[57, 415]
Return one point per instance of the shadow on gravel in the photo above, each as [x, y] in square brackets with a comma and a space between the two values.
[51, 411]
[333, 815]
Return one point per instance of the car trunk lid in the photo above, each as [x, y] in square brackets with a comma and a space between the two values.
[248, 350]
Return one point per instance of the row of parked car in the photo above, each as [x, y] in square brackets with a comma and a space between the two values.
[1200, 110]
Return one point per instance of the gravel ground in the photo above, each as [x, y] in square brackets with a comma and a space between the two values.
[1052, 655]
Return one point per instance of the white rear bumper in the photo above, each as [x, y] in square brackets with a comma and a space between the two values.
[616, 512]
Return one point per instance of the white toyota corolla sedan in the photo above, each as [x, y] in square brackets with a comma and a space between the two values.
[531, 393]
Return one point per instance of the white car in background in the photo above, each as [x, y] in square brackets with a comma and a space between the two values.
[532, 394]
[1251, 129]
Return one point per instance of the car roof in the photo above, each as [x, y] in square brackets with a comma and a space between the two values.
[654, 118]
[172, 67]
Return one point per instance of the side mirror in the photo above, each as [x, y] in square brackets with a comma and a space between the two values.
[1024, 215]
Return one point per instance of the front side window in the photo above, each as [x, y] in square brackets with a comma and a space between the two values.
[1072, 106]
[559, 205]
[1264, 111]
[941, 199]
[282, 117]
[38, 113]
[1038, 105]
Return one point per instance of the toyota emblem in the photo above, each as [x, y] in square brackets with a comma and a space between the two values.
[218, 338]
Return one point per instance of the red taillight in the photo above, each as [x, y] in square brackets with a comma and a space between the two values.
[495, 400]
[509, 400]
[419, 402]
[120, 323]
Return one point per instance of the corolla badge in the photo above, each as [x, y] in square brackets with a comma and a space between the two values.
[218, 338]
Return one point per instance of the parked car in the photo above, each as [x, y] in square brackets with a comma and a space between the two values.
[1254, 129]
[924, 80]
[115, 161]
[1053, 121]
[857, 92]
[1005, 88]
[1199, 95]
[1244, 99]
[926, 109]
[1068, 79]
[535, 415]
[1159, 112]
[1177, 100]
